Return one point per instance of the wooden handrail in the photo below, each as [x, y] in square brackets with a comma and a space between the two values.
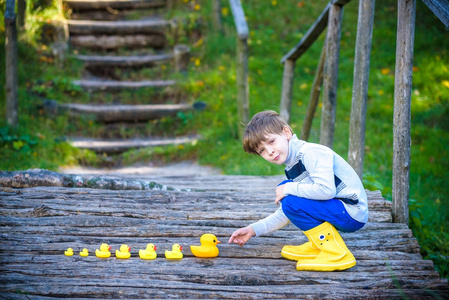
[239, 18]
[313, 33]
[441, 9]
[242, 64]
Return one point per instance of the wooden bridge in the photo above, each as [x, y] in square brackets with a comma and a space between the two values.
[39, 223]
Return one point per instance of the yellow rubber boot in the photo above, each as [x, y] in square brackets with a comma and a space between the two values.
[334, 254]
[304, 251]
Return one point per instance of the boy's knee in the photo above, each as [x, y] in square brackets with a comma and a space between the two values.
[288, 204]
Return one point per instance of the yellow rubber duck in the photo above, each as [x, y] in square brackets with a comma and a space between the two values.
[149, 252]
[68, 252]
[84, 253]
[208, 246]
[175, 253]
[123, 252]
[104, 251]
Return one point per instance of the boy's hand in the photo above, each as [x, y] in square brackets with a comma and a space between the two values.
[242, 235]
[279, 194]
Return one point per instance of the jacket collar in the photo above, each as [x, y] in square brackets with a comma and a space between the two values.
[294, 147]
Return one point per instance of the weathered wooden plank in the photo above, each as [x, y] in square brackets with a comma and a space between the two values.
[38, 224]
[123, 61]
[124, 113]
[87, 27]
[234, 286]
[118, 85]
[112, 42]
[218, 271]
[39, 177]
[113, 4]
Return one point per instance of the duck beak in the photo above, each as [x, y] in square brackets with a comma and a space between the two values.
[129, 249]
[180, 248]
[109, 248]
[218, 242]
[155, 248]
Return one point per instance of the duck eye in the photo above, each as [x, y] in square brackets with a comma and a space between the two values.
[214, 241]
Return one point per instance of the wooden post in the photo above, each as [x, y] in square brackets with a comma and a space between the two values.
[287, 87]
[21, 13]
[242, 64]
[402, 108]
[314, 97]
[331, 75]
[357, 123]
[242, 84]
[216, 16]
[12, 103]
[182, 57]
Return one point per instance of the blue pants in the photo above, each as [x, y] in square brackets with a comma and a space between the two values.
[307, 214]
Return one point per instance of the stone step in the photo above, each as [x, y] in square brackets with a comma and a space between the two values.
[78, 5]
[123, 61]
[125, 113]
[88, 27]
[119, 146]
[113, 85]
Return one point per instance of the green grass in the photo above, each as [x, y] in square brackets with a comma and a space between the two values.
[275, 27]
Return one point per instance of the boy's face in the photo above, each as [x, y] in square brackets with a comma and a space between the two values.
[275, 148]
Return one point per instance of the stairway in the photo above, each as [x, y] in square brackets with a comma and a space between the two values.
[113, 38]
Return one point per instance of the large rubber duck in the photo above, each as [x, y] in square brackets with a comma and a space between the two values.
[175, 253]
[84, 253]
[104, 251]
[208, 246]
[123, 252]
[149, 252]
[68, 252]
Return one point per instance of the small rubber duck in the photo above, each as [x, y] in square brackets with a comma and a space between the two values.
[84, 253]
[68, 252]
[123, 252]
[175, 253]
[104, 251]
[208, 246]
[149, 252]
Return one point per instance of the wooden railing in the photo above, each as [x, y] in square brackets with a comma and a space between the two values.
[241, 64]
[327, 75]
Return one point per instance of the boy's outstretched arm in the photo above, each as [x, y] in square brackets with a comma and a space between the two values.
[242, 235]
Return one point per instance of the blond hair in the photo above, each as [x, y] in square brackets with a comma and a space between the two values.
[262, 124]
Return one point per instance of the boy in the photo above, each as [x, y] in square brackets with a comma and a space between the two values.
[323, 193]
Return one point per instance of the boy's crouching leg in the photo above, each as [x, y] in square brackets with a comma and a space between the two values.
[307, 250]
[334, 254]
